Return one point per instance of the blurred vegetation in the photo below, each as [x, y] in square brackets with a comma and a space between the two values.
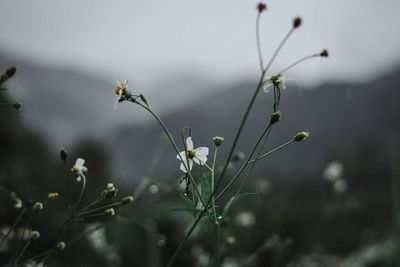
[298, 221]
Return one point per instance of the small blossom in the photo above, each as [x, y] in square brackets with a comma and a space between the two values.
[333, 171]
[61, 246]
[198, 155]
[110, 212]
[275, 80]
[34, 235]
[38, 206]
[301, 136]
[127, 200]
[53, 195]
[78, 169]
[218, 140]
[17, 203]
[275, 117]
[121, 86]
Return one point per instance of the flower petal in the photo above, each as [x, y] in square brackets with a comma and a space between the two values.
[282, 84]
[201, 151]
[189, 143]
[79, 163]
[267, 86]
[182, 155]
[182, 166]
[201, 160]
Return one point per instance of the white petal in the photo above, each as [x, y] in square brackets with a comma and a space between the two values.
[189, 143]
[201, 160]
[183, 164]
[201, 151]
[282, 84]
[267, 86]
[79, 163]
[182, 155]
[118, 82]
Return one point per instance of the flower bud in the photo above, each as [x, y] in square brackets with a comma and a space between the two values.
[324, 53]
[110, 212]
[275, 117]
[34, 235]
[61, 246]
[53, 195]
[17, 105]
[261, 7]
[218, 140]
[127, 200]
[301, 136]
[38, 206]
[17, 203]
[11, 71]
[63, 154]
[296, 22]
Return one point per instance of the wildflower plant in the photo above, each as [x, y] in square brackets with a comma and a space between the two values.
[203, 190]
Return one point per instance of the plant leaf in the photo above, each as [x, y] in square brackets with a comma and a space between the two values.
[244, 195]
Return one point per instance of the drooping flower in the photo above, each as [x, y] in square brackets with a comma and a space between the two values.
[275, 80]
[198, 155]
[78, 169]
[121, 86]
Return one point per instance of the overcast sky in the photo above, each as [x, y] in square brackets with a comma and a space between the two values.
[147, 41]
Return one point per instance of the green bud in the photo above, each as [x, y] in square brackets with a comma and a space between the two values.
[34, 235]
[218, 140]
[110, 212]
[53, 195]
[275, 117]
[61, 246]
[301, 136]
[38, 206]
[127, 200]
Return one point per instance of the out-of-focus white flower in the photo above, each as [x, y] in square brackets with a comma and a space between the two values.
[275, 80]
[153, 189]
[245, 219]
[340, 185]
[32, 263]
[121, 86]
[79, 168]
[198, 155]
[333, 171]
[230, 262]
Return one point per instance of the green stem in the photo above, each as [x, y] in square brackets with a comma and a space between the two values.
[13, 226]
[22, 252]
[272, 151]
[100, 208]
[82, 190]
[217, 241]
[213, 183]
[171, 139]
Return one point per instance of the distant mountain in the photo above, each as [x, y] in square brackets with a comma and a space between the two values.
[348, 122]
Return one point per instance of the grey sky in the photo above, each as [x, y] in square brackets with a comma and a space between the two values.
[146, 41]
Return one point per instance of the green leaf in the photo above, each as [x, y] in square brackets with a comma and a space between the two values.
[187, 202]
[143, 99]
[244, 195]
[180, 208]
[227, 206]
[205, 189]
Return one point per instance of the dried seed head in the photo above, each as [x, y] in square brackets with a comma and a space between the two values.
[275, 117]
[324, 53]
[296, 22]
[17, 105]
[301, 136]
[63, 154]
[261, 7]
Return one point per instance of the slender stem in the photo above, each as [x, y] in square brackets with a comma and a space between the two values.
[101, 208]
[213, 183]
[278, 49]
[254, 163]
[258, 41]
[183, 242]
[171, 139]
[272, 151]
[93, 203]
[298, 62]
[22, 252]
[82, 190]
[217, 241]
[13, 226]
[245, 164]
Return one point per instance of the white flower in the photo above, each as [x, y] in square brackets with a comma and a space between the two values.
[79, 169]
[333, 171]
[275, 80]
[118, 92]
[198, 155]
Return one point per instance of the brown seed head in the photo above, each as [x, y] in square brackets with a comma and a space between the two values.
[296, 22]
[261, 7]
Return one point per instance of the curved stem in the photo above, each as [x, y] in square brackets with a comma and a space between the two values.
[278, 49]
[82, 190]
[272, 151]
[298, 62]
[22, 252]
[258, 41]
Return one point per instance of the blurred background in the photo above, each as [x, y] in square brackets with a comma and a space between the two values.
[330, 200]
